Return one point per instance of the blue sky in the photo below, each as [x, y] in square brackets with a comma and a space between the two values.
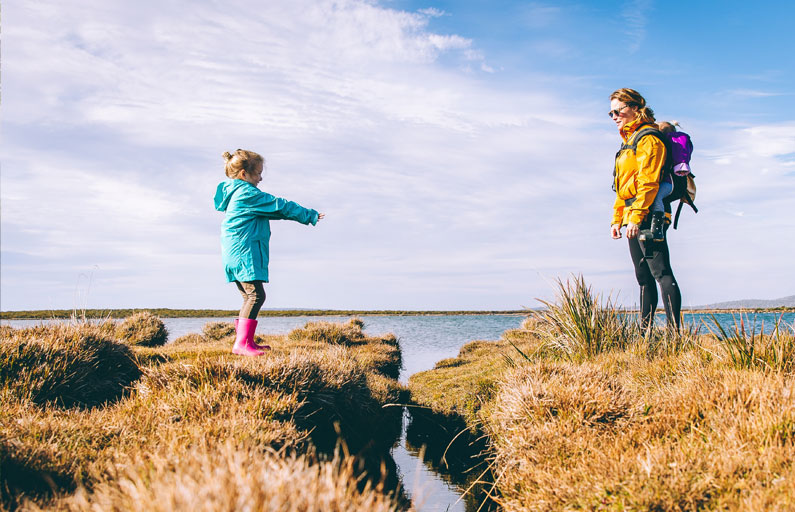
[460, 150]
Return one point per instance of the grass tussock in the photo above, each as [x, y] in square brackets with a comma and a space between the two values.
[192, 338]
[381, 353]
[188, 398]
[144, 329]
[625, 433]
[460, 386]
[350, 333]
[580, 325]
[66, 365]
[231, 478]
[218, 330]
[753, 348]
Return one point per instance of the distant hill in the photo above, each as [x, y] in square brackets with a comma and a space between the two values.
[785, 302]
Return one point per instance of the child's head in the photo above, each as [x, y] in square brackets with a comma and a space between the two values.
[667, 127]
[242, 162]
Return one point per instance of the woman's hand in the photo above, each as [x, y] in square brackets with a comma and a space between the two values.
[320, 216]
[615, 231]
[632, 230]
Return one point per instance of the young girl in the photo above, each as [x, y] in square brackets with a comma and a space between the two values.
[681, 149]
[245, 234]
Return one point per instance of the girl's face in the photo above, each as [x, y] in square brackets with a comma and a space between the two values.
[621, 113]
[253, 177]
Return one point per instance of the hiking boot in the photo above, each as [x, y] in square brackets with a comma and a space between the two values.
[657, 226]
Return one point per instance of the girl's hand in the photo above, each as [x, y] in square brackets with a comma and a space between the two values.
[320, 216]
[632, 230]
[615, 231]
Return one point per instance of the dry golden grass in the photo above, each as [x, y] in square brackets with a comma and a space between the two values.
[231, 478]
[192, 397]
[190, 338]
[350, 333]
[65, 364]
[459, 386]
[751, 347]
[218, 330]
[587, 412]
[625, 433]
[144, 329]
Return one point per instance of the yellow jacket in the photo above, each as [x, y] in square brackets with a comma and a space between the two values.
[637, 175]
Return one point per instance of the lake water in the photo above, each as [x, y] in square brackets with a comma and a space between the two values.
[424, 340]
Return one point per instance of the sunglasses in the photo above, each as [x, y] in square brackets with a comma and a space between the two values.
[616, 112]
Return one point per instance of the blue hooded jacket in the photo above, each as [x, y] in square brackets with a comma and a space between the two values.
[246, 231]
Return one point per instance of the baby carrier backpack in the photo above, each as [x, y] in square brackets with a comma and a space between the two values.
[678, 149]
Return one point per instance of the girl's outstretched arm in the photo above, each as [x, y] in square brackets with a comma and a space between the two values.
[277, 208]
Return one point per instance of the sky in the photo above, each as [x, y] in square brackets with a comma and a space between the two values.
[461, 150]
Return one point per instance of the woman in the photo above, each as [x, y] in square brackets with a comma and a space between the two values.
[638, 172]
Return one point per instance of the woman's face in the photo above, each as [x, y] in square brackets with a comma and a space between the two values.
[621, 113]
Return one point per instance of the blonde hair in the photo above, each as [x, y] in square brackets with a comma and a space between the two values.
[633, 98]
[241, 161]
[668, 127]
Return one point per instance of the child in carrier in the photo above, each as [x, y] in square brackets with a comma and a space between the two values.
[681, 148]
[245, 235]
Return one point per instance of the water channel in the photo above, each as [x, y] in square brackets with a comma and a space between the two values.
[424, 340]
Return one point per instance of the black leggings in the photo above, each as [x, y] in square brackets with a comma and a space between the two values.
[656, 266]
[253, 293]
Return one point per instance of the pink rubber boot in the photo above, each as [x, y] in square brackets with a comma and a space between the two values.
[244, 342]
[256, 345]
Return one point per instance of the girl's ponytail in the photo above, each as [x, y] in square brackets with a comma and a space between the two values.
[240, 162]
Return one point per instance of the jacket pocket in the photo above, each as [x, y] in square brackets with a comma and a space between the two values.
[262, 252]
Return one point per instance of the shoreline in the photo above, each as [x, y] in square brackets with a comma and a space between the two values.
[61, 314]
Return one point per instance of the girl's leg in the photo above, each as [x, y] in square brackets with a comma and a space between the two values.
[666, 187]
[253, 293]
[657, 212]
[648, 287]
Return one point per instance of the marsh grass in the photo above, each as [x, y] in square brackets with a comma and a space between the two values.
[218, 330]
[459, 386]
[666, 341]
[381, 353]
[350, 333]
[231, 478]
[623, 432]
[583, 410]
[581, 324]
[187, 400]
[144, 329]
[190, 338]
[753, 348]
[65, 365]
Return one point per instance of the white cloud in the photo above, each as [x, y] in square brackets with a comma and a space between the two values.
[635, 16]
[752, 93]
[443, 188]
[432, 12]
